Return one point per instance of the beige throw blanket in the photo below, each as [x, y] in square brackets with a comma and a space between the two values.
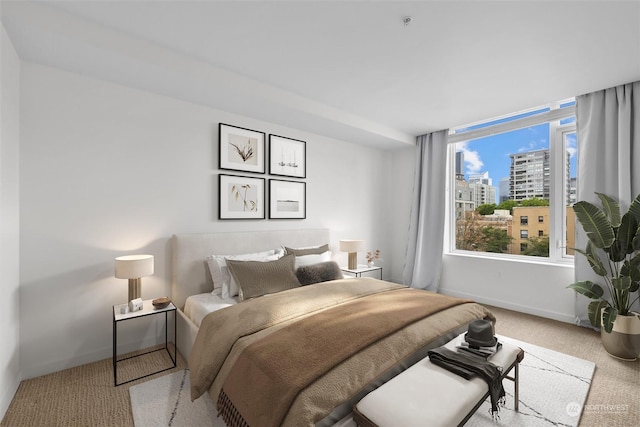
[270, 373]
[224, 335]
[220, 330]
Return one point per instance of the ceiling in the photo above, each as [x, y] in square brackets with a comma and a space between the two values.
[348, 70]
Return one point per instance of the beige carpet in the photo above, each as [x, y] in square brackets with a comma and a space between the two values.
[85, 395]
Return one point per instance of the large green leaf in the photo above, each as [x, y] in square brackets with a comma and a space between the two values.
[616, 251]
[591, 254]
[588, 289]
[627, 232]
[595, 224]
[636, 240]
[609, 315]
[634, 209]
[611, 209]
[631, 268]
[593, 312]
[622, 283]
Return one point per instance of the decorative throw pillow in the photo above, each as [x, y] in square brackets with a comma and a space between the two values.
[321, 272]
[256, 278]
[223, 283]
[307, 251]
[309, 255]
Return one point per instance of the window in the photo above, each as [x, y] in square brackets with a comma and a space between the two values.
[516, 167]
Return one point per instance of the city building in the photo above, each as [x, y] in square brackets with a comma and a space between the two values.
[482, 193]
[480, 178]
[503, 190]
[529, 175]
[460, 165]
[465, 198]
[531, 223]
[573, 191]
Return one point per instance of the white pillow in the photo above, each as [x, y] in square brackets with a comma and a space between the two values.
[305, 260]
[223, 283]
[218, 276]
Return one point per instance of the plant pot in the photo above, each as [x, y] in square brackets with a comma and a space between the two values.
[623, 341]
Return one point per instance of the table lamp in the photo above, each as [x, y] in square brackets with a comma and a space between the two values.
[352, 247]
[133, 267]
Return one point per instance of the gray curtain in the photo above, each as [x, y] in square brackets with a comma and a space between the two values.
[426, 226]
[608, 126]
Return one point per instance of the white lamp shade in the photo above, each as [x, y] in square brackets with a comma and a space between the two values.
[133, 266]
[352, 245]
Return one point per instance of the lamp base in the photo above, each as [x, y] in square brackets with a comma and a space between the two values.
[353, 260]
[135, 288]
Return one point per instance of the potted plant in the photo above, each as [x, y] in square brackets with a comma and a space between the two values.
[613, 252]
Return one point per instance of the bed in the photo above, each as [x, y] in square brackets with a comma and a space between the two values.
[227, 352]
[190, 274]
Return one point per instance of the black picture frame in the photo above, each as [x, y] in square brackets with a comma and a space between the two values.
[287, 199]
[287, 157]
[241, 149]
[241, 197]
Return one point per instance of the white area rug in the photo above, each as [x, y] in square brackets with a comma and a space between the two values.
[166, 401]
[553, 389]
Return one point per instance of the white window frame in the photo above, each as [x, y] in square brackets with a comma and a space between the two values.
[560, 157]
[557, 212]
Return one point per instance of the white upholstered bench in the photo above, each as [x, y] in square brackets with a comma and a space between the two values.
[428, 395]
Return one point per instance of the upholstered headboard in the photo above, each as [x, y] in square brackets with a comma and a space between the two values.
[189, 272]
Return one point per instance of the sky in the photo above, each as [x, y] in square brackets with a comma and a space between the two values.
[492, 153]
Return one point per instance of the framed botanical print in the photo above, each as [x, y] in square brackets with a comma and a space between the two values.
[241, 149]
[287, 157]
[241, 197]
[287, 199]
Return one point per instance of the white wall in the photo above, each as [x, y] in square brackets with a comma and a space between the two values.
[534, 288]
[9, 222]
[107, 170]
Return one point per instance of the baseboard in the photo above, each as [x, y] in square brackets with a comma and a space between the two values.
[562, 317]
[94, 356]
[8, 393]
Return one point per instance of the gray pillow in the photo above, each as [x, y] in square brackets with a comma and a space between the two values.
[320, 272]
[257, 278]
[307, 251]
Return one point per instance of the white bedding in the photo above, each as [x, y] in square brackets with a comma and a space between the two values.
[198, 306]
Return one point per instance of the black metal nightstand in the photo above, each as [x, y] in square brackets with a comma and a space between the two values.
[147, 310]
